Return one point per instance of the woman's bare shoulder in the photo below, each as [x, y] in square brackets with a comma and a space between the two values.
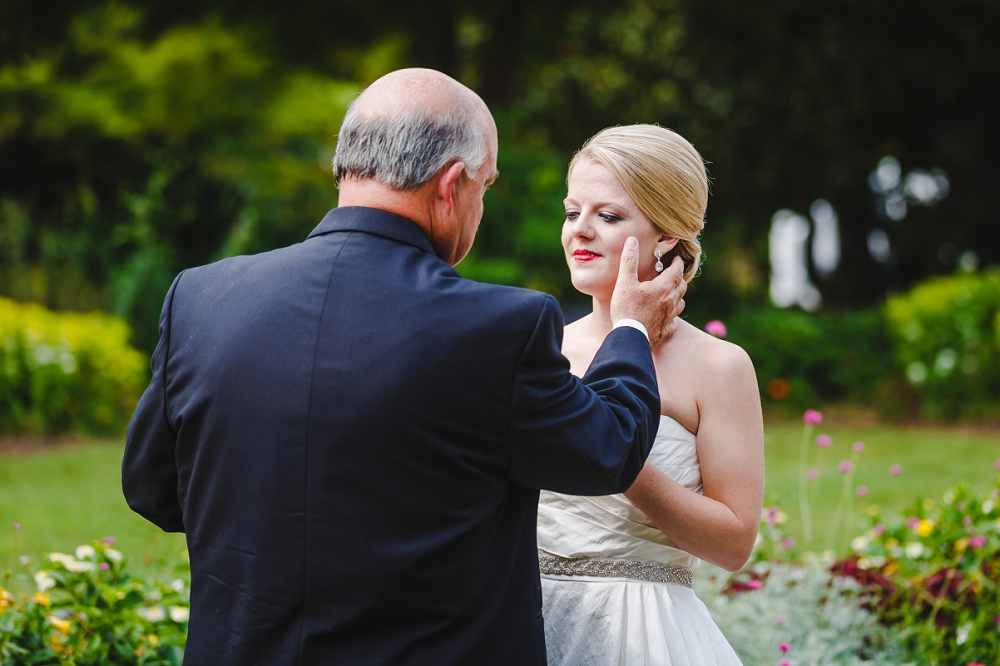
[717, 359]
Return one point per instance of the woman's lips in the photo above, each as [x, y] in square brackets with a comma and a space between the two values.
[583, 256]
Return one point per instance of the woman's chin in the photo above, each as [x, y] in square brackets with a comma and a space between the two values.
[591, 287]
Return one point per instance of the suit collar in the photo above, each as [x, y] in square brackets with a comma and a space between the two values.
[374, 221]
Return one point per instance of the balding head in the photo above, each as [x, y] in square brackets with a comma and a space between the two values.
[408, 125]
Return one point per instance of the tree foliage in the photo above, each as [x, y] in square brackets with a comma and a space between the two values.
[140, 138]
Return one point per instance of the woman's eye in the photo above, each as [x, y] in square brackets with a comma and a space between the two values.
[572, 215]
[609, 217]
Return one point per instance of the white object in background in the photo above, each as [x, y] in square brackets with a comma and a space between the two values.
[826, 237]
[790, 283]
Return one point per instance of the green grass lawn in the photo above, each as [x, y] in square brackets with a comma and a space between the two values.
[70, 495]
[933, 460]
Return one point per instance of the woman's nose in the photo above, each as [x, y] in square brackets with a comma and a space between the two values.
[582, 228]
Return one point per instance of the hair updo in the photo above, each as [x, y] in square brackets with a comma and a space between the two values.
[666, 178]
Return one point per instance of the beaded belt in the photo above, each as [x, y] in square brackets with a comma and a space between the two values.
[593, 566]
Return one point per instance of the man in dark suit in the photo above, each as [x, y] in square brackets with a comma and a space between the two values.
[353, 437]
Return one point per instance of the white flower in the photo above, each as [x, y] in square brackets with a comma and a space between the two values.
[177, 585]
[859, 543]
[864, 563]
[914, 549]
[827, 557]
[988, 505]
[179, 614]
[112, 555]
[962, 634]
[80, 567]
[44, 581]
[85, 553]
[153, 613]
[61, 558]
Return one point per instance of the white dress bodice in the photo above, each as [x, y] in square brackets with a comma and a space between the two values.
[610, 526]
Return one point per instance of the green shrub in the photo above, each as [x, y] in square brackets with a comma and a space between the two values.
[804, 359]
[946, 333]
[89, 611]
[66, 371]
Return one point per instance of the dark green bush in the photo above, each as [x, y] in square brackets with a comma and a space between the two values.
[803, 359]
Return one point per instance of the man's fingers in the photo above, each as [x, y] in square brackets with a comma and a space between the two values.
[628, 269]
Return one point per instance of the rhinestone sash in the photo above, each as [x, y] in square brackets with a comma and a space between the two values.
[602, 568]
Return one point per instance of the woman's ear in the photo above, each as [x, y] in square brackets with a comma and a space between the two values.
[666, 243]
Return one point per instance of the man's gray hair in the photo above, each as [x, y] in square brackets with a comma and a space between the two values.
[405, 150]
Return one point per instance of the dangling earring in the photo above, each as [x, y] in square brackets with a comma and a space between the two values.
[659, 264]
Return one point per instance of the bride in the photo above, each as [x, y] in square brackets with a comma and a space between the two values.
[616, 570]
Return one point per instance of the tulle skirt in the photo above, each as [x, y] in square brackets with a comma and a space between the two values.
[625, 622]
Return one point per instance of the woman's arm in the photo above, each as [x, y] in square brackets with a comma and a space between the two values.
[721, 525]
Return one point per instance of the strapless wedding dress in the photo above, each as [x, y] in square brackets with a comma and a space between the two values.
[615, 590]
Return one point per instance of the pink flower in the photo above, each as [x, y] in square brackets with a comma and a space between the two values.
[785, 663]
[861, 491]
[913, 523]
[845, 466]
[716, 328]
[105, 566]
[110, 541]
[753, 585]
[977, 541]
[17, 527]
[824, 441]
[879, 529]
[781, 619]
[858, 447]
[783, 647]
[996, 620]
[996, 464]
[812, 474]
[966, 521]
[812, 417]
[895, 470]
[788, 542]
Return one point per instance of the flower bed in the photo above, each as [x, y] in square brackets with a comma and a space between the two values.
[88, 610]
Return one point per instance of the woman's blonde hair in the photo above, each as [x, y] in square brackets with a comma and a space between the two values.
[666, 178]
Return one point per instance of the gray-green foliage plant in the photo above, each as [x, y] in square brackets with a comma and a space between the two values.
[817, 616]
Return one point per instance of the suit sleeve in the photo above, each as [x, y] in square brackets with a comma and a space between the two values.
[585, 436]
[149, 468]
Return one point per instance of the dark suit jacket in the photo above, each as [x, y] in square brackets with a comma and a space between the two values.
[353, 437]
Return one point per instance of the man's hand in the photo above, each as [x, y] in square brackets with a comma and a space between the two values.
[657, 303]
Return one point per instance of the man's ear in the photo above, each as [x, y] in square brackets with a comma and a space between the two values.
[446, 185]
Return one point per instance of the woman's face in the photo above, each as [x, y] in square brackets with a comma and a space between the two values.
[600, 215]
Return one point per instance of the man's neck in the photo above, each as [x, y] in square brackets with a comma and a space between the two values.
[414, 206]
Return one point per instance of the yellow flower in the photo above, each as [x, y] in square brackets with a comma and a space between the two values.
[6, 599]
[961, 544]
[153, 639]
[891, 568]
[42, 599]
[925, 527]
[62, 625]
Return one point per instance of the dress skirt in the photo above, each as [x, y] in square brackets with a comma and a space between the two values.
[593, 621]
